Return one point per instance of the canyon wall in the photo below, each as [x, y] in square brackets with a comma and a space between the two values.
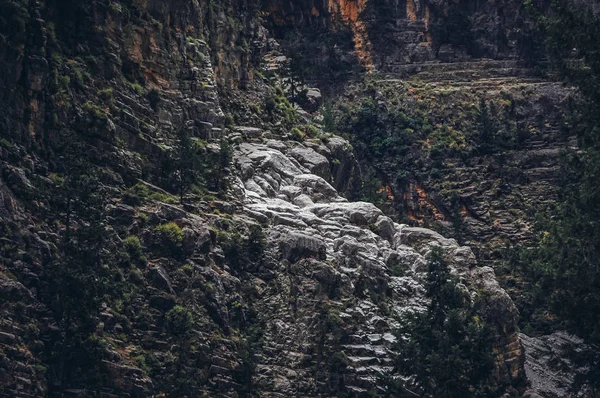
[264, 276]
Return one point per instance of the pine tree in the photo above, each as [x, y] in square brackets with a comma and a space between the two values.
[487, 130]
[77, 279]
[447, 348]
[187, 163]
[224, 160]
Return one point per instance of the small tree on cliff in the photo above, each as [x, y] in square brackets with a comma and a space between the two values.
[447, 348]
[292, 71]
[219, 175]
[187, 163]
[78, 278]
[487, 128]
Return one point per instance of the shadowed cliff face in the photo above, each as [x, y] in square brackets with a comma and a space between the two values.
[389, 33]
[351, 12]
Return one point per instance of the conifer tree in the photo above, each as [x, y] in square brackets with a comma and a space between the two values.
[187, 163]
[77, 279]
[448, 348]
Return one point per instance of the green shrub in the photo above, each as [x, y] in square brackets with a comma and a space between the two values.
[136, 195]
[63, 83]
[397, 270]
[286, 109]
[141, 193]
[137, 88]
[106, 95]
[232, 245]
[134, 86]
[78, 76]
[94, 111]
[329, 124]
[229, 121]
[5, 143]
[40, 368]
[312, 131]
[136, 276]
[297, 135]
[187, 268]
[179, 321]
[170, 235]
[133, 246]
[56, 59]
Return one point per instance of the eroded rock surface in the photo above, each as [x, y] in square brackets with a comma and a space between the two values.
[342, 253]
[548, 370]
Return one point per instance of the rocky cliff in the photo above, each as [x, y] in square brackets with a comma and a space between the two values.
[386, 35]
[124, 274]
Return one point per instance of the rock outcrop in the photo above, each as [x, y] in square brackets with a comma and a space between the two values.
[342, 253]
[549, 373]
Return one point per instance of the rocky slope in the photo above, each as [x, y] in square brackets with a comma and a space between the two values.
[264, 278]
[324, 290]
[485, 191]
[343, 254]
[548, 371]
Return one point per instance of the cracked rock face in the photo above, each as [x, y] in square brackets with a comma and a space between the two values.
[330, 250]
[549, 372]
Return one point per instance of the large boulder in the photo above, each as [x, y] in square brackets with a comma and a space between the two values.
[294, 246]
[312, 160]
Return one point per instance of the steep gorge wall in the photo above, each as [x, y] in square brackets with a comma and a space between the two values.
[386, 34]
[312, 315]
[437, 166]
[111, 84]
